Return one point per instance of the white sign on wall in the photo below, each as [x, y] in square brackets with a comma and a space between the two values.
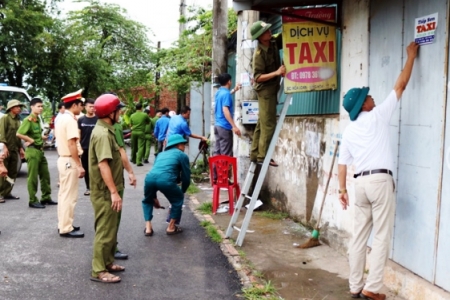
[425, 29]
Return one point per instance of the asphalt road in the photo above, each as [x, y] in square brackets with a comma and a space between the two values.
[36, 263]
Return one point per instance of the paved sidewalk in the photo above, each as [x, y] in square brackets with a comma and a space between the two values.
[315, 273]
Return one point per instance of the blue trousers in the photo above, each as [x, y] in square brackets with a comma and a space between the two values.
[170, 190]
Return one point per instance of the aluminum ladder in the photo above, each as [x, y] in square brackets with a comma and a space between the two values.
[249, 178]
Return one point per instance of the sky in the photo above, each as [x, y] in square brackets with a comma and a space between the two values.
[160, 16]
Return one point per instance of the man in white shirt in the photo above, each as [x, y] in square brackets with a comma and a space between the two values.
[365, 144]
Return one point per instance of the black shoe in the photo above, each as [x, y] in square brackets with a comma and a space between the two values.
[36, 205]
[72, 234]
[120, 255]
[140, 165]
[75, 228]
[49, 202]
[146, 161]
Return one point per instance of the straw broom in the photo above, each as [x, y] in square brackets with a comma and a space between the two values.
[314, 240]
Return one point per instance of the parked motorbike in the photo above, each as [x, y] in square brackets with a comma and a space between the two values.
[127, 137]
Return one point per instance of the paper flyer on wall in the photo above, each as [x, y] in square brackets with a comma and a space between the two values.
[425, 29]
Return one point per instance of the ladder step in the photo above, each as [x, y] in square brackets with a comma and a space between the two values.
[239, 229]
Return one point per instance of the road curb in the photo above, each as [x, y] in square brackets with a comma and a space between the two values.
[227, 248]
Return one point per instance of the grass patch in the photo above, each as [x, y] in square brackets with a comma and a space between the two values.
[274, 215]
[205, 208]
[211, 231]
[192, 189]
[266, 291]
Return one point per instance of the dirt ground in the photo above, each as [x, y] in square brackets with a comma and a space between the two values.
[315, 273]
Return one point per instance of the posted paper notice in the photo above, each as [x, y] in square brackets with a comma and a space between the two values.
[425, 29]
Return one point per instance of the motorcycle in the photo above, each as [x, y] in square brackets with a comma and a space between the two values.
[127, 137]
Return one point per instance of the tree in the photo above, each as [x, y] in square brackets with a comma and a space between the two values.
[112, 51]
[23, 25]
[189, 61]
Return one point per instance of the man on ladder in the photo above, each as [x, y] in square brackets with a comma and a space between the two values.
[267, 72]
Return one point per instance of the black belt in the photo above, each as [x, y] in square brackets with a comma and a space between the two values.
[377, 171]
[36, 147]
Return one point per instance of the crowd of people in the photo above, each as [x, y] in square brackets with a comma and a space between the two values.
[91, 146]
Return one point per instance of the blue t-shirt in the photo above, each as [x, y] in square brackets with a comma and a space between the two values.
[161, 128]
[179, 125]
[223, 99]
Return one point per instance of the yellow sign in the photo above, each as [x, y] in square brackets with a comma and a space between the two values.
[309, 51]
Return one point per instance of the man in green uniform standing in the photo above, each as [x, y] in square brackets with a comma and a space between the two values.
[30, 131]
[138, 121]
[127, 166]
[154, 120]
[106, 169]
[148, 137]
[9, 124]
[267, 72]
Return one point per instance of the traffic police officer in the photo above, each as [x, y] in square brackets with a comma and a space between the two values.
[69, 164]
[9, 124]
[267, 72]
[106, 180]
[138, 122]
[31, 132]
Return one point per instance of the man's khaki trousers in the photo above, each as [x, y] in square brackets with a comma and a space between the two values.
[68, 193]
[374, 209]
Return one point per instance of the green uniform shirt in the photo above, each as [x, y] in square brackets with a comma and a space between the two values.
[267, 60]
[31, 127]
[118, 129]
[9, 124]
[103, 146]
[154, 120]
[149, 127]
[138, 121]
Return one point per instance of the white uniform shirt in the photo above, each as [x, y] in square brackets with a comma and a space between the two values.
[365, 141]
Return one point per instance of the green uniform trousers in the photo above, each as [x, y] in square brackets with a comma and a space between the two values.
[148, 145]
[37, 170]
[106, 225]
[267, 121]
[10, 163]
[137, 146]
[120, 217]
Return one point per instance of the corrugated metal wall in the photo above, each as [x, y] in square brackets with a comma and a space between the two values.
[417, 132]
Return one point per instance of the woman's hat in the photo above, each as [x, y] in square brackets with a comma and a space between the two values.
[175, 139]
[354, 100]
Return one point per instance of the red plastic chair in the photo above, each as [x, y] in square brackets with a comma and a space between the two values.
[222, 165]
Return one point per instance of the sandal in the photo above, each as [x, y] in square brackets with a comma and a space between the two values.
[2, 199]
[176, 231]
[148, 233]
[106, 277]
[115, 268]
[11, 197]
[156, 204]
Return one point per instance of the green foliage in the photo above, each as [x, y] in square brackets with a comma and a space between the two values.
[205, 208]
[211, 231]
[23, 40]
[256, 292]
[192, 189]
[116, 51]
